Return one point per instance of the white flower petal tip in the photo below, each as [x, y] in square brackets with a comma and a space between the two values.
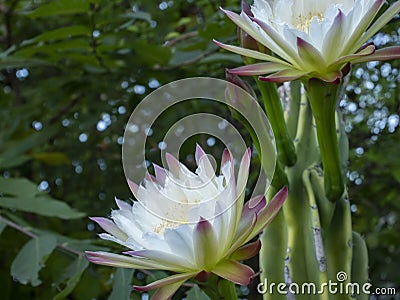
[312, 39]
[192, 240]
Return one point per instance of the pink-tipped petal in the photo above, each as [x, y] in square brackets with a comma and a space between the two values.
[199, 153]
[173, 164]
[226, 157]
[122, 261]
[150, 177]
[110, 227]
[258, 69]
[250, 53]
[285, 49]
[205, 243]
[240, 21]
[248, 251]
[122, 205]
[234, 271]
[164, 258]
[380, 55]
[246, 8]
[283, 76]
[361, 35]
[267, 214]
[362, 53]
[134, 187]
[250, 209]
[161, 174]
[167, 286]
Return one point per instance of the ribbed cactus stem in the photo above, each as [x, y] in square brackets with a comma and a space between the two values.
[322, 97]
[359, 265]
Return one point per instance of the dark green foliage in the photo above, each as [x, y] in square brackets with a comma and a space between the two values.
[71, 72]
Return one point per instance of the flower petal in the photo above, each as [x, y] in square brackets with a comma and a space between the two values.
[269, 212]
[110, 227]
[283, 76]
[258, 69]
[287, 51]
[368, 50]
[205, 243]
[250, 209]
[134, 187]
[164, 258]
[333, 37]
[358, 37]
[173, 164]
[389, 13]
[242, 237]
[387, 53]
[250, 53]
[226, 157]
[309, 54]
[234, 271]
[161, 174]
[247, 251]
[167, 286]
[123, 261]
[122, 205]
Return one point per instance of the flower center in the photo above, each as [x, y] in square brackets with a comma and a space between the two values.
[160, 228]
[174, 217]
[303, 21]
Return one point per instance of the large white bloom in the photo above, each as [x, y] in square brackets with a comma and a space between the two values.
[189, 223]
[312, 38]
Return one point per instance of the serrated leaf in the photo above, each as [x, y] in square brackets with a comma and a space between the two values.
[73, 273]
[122, 285]
[30, 260]
[61, 7]
[23, 195]
[196, 293]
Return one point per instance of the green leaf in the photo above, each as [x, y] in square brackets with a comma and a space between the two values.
[151, 54]
[12, 150]
[23, 195]
[196, 293]
[52, 158]
[60, 7]
[73, 273]
[20, 62]
[122, 285]
[30, 260]
[2, 226]
[59, 34]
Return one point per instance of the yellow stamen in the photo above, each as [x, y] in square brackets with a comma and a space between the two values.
[304, 21]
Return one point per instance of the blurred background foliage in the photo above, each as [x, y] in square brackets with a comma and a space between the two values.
[72, 71]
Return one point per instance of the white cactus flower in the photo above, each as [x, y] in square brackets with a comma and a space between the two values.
[189, 224]
[311, 38]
